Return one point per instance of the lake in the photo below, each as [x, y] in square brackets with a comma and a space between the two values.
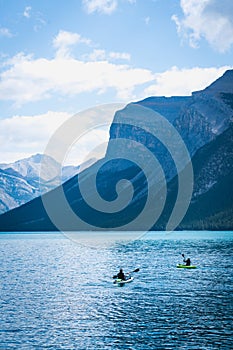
[57, 291]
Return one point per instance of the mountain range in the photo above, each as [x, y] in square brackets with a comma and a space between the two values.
[21, 181]
[204, 122]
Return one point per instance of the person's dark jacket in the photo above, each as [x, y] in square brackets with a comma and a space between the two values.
[121, 275]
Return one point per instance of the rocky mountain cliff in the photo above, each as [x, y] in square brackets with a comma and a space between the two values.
[204, 121]
[198, 118]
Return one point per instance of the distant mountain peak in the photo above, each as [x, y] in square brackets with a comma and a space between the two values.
[36, 158]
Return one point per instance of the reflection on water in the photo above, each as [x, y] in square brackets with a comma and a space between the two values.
[58, 294]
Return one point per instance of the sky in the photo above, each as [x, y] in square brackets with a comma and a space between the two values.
[58, 58]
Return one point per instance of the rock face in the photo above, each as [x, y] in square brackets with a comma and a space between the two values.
[204, 123]
[198, 118]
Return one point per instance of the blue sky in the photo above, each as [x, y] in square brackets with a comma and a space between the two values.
[60, 57]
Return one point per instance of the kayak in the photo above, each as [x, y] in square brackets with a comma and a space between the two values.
[186, 267]
[121, 282]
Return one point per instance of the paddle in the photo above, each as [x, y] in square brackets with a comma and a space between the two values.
[128, 273]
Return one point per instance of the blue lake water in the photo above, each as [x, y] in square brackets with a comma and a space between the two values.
[57, 293]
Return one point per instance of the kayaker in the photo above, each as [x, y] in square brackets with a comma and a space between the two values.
[187, 261]
[121, 275]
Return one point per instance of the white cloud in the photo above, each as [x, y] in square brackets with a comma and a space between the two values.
[22, 136]
[26, 79]
[27, 12]
[99, 54]
[65, 40]
[5, 32]
[102, 6]
[120, 56]
[182, 82]
[208, 19]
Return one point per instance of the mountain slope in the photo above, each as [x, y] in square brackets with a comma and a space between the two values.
[212, 202]
[211, 206]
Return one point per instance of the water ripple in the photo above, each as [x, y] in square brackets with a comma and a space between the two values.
[58, 295]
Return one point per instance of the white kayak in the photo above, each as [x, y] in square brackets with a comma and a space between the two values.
[121, 282]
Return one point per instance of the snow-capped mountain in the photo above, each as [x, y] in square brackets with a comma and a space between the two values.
[22, 181]
[14, 190]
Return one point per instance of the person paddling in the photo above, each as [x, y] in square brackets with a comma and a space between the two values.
[187, 261]
[125, 277]
[121, 275]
